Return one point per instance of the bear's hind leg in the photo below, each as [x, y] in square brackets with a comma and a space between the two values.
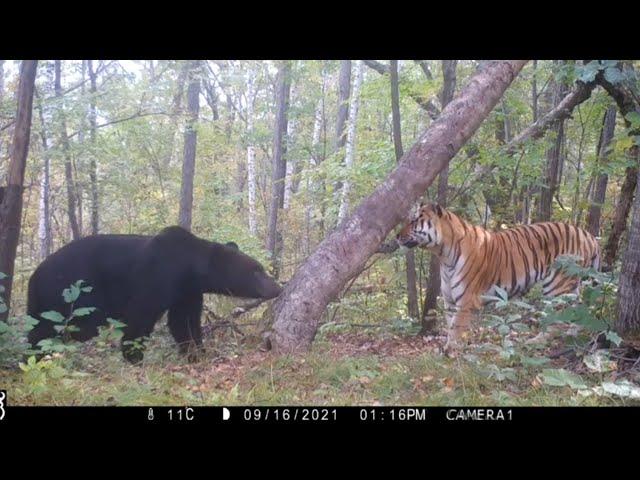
[184, 325]
[140, 321]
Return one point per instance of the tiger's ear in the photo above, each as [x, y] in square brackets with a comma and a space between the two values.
[438, 209]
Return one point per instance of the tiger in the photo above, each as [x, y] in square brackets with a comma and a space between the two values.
[475, 261]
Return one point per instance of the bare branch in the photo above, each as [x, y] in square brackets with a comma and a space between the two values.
[426, 104]
[381, 68]
[579, 94]
[125, 119]
[425, 68]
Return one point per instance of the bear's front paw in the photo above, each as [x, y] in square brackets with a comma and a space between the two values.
[193, 352]
[132, 353]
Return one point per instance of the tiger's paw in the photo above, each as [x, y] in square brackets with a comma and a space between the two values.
[452, 349]
[455, 344]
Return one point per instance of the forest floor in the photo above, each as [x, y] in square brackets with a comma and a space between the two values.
[353, 367]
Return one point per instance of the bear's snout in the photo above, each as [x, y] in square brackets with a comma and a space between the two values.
[269, 288]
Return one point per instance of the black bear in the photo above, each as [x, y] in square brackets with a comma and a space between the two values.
[136, 278]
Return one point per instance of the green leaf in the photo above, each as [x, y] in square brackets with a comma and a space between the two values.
[116, 323]
[3, 275]
[613, 75]
[52, 316]
[71, 294]
[533, 361]
[613, 337]
[588, 72]
[3, 307]
[30, 321]
[633, 118]
[561, 378]
[502, 293]
[599, 362]
[623, 388]
[81, 312]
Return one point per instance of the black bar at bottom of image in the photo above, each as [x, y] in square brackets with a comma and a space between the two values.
[311, 415]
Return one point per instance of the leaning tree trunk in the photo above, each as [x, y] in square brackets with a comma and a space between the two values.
[11, 199]
[600, 190]
[190, 142]
[64, 140]
[409, 256]
[274, 242]
[628, 320]
[433, 287]
[296, 312]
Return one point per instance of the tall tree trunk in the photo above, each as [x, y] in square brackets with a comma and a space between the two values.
[314, 161]
[410, 262]
[344, 89]
[11, 199]
[176, 110]
[1, 95]
[627, 102]
[291, 165]
[190, 142]
[548, 190]
[344, 94]
[534, 92]
[64, 141]
[93, 169]
[1, 80]
[600, 190]
[621, 213]
[251, 152]
[351, 143]
[44, 214]
[296, 312]
[433, 286]
[274, 240]
[628, 319]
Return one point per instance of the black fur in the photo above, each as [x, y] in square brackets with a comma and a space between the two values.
[137, 278]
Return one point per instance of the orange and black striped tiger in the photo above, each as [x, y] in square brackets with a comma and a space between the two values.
[474, 261]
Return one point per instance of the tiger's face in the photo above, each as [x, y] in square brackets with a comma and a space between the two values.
[423, 229]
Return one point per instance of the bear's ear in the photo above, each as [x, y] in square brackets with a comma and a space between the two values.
[233, 245]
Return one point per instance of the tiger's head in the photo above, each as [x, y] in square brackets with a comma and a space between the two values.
[423, 229]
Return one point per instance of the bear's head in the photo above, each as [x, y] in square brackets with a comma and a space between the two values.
[234, 273]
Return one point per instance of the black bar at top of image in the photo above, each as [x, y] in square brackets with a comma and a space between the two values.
[18, 416]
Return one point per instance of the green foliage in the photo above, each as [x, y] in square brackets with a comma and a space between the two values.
[561, 377]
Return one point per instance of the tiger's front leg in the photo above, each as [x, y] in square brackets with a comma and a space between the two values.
[459, 326]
